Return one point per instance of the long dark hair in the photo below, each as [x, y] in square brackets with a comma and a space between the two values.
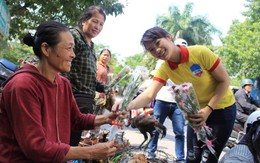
[49, 32]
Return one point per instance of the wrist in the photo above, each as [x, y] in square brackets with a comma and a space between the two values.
[100, 120]
[131, 105]
[210, 107]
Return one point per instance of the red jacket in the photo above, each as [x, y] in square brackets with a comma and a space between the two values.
[36, 118]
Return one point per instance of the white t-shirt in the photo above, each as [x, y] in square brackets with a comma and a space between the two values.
[166, 93]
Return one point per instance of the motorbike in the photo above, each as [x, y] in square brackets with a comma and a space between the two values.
[7, 68]
[236, 135]
[237, 132]
[238, 129]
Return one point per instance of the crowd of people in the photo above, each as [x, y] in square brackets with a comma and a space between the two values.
[45, 107]
[38, 109]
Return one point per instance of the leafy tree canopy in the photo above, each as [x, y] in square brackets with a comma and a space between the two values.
[195, 30]
[143, 59]
[28, 14]
[253, 12]
[15, 51]
[240, 51]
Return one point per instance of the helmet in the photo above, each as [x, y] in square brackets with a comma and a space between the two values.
[180, 41]
[246, 82]
[253, 117]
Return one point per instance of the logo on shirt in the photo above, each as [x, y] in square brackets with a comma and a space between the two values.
[196, 70]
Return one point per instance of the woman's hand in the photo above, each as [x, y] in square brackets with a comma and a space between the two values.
[99, 151]
[116, 114]
[117, 105]
[102, 150]
[110, 117]
[199, 119]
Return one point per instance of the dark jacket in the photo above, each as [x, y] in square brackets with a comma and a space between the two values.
[244, 102]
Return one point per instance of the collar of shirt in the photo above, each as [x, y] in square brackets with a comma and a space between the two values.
[102, 64]
[184, 57]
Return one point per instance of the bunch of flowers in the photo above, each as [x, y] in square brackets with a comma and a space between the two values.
[121, 75]
[187, 101]
[139, 74]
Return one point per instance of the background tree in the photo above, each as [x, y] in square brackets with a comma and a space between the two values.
[253, 12]
[195, 30]
[27, 14]
[142, 59]
[240, 51]
[15, 51]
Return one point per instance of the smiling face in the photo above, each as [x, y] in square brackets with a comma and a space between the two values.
[61, 56]
[93, 26]
[161, 48]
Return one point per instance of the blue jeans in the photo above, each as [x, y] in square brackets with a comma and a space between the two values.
[162, 110]
[221, 122]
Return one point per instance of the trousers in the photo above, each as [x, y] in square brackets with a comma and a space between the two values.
[162, 110]
[221, 121]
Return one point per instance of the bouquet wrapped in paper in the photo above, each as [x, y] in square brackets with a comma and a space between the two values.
[139, 74]
[186, 99]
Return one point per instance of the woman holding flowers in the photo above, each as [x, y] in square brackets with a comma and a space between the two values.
[201, 67]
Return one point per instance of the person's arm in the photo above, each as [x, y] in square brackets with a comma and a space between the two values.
[108, 118]
[97, 151]
[221, 76]
[146, 97]
[244, 101]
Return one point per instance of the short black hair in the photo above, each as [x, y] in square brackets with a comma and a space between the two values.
[153, 34]
[89, 12]
[105, 50]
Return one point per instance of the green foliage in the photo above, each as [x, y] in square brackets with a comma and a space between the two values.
[253, 12]
[15, 51]
[241, 52]
[195, 30]
[144, 59]
[28, 14]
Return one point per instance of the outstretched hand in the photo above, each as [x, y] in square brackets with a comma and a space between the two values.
[116, 114]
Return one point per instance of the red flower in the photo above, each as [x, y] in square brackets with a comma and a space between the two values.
[118, 77]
